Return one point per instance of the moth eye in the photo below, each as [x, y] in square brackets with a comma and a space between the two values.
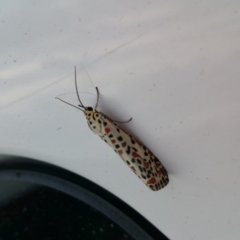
[89, 108]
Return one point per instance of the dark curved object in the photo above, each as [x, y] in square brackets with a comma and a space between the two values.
[35, 171]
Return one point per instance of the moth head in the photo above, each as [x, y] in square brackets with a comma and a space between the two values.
[90, 109]
[88, 112]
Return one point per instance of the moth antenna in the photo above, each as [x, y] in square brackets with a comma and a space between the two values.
[92, 84]
[97, 98]
[69, 104]
[77, 88]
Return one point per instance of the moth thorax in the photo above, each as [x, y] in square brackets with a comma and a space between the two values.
[88, 114]
[94, 122]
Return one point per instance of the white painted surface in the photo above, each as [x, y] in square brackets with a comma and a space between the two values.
[172, 66]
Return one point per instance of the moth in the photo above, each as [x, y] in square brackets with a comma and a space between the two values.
[138, 157]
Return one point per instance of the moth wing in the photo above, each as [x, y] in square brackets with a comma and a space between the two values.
[139, 158]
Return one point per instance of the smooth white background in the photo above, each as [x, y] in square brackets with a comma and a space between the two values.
[171, 65]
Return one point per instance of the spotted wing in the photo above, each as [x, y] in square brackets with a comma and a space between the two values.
[139, 158]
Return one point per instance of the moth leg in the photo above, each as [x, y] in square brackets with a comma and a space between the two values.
[129, 120]
[115, 120]
[97, 98]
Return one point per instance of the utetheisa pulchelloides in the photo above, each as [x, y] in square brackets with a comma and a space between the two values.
[139, 158]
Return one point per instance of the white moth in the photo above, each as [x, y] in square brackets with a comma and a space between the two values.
[139, 158]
